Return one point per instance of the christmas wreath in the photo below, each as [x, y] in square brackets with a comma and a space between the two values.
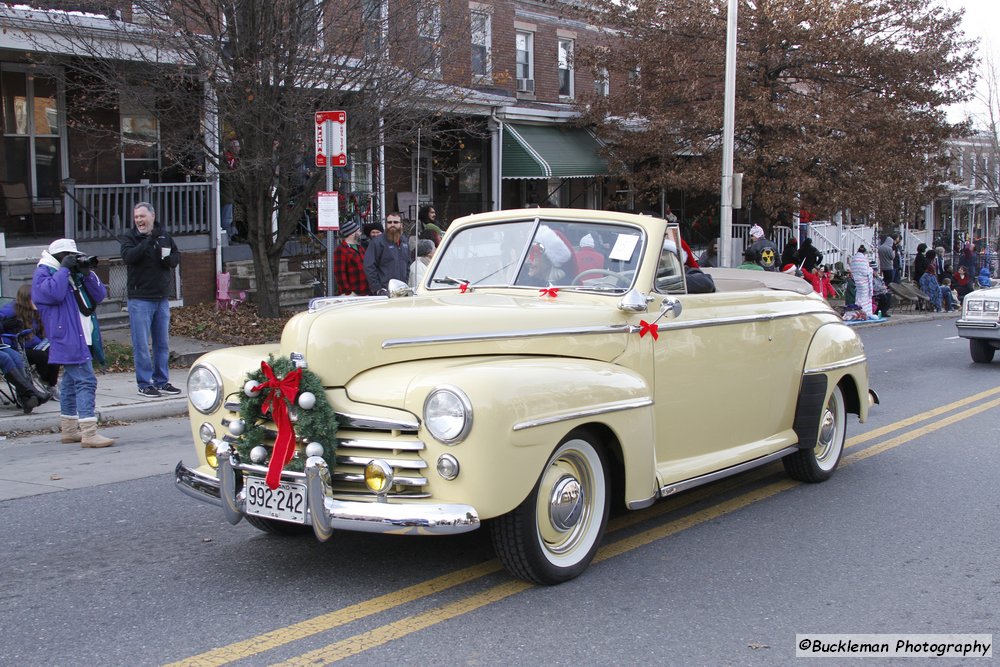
[295, 400]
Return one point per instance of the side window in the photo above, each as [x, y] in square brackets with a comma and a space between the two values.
[670, 268]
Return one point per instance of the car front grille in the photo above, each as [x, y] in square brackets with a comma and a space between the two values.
[360, 440]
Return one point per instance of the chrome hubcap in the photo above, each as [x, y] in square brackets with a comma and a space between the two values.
[566, 503]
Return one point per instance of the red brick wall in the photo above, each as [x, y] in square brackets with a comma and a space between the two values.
[198, 277]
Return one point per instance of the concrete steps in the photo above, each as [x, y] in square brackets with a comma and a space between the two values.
[292, 292]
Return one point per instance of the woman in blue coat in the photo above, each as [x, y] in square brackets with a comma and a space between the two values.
[66, 295]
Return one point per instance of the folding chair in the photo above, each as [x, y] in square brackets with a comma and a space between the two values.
[225, 298]
[905, 299]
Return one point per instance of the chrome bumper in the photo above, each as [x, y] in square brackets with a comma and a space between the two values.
[978, 329]
[371, 517]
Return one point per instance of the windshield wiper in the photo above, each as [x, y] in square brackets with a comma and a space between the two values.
[448, 280]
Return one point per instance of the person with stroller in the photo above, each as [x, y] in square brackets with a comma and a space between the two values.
[20, 316]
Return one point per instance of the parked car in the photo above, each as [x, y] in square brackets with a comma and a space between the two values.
[980, 323]
[520, 390]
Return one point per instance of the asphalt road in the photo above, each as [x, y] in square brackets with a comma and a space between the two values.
[903, 539]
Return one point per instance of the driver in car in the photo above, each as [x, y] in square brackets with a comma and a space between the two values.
[546, 259]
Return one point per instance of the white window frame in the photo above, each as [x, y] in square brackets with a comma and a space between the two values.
[128, 110]
[32, 133]
[602, 84]
[529, 50]
[564, 60]
[486, 34]
[429, 28]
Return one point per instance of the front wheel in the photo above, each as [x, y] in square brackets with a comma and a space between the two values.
[981, 351]
[817, 463]
[553, 535]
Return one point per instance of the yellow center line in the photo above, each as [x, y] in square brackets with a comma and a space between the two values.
[325, 622]
[916, 419]
[373, 638]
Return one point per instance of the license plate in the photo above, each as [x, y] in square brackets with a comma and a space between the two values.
[285, 503]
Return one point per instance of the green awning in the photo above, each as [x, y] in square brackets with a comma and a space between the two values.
[550, 151]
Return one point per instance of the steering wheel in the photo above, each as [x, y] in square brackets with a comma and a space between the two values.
[621, 280]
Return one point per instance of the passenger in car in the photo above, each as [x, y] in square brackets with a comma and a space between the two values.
[586, 257]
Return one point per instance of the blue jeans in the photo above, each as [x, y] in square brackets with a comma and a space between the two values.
[76, 393]
[150, 319]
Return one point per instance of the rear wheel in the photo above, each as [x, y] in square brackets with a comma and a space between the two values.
[553, 535]
[817, 463]
[981, 351]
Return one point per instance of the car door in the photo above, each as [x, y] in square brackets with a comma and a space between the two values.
[723, 390]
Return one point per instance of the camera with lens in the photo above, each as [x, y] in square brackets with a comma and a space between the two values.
[86, 262]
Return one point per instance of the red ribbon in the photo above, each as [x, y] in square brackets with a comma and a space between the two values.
[282, 392]
[463, 288]
[649, 328]
[549, 291]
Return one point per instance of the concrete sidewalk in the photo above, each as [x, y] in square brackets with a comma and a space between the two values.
[118, 395]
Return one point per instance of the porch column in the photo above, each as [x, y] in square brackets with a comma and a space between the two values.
[496, 162]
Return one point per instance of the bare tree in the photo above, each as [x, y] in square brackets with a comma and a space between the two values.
[263, 67]
[840, 104]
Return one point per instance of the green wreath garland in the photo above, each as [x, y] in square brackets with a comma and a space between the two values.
[318, 424]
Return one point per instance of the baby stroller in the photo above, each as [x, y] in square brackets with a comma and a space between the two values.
[22, 386]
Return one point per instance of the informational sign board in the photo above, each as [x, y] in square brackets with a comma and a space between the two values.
[331, 138]
[328, 208]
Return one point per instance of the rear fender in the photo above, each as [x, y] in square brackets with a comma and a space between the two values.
[837, 353]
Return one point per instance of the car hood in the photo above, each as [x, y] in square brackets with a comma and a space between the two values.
[341, 340]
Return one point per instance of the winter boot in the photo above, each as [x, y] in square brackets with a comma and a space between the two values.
[70, 429]
[91, 438]
[27, 396]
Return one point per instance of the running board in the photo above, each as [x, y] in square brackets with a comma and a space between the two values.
[671, 489]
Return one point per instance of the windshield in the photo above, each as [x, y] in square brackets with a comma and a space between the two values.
[541, 253]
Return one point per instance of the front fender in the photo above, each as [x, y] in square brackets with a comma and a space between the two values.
[232, 364]
[522, 407]
[836, 351]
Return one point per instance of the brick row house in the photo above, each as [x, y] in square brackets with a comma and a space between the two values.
[66, 170]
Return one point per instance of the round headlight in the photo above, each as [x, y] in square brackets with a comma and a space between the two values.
[204, 388]
[448, 414]
[207, 433]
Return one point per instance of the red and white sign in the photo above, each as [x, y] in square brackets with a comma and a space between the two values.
[328, 210]
[331, 150]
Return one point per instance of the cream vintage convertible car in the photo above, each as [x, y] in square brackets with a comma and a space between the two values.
[552, 363]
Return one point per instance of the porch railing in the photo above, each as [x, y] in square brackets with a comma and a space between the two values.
[100, 212]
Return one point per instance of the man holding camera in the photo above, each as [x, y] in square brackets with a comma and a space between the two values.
[65, 290]
[150, 255]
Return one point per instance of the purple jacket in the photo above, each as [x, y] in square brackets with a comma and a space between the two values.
[54, 299]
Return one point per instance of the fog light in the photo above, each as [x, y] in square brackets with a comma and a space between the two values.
[206, 433]
[378, 476]
[210, 456]
[447, 466]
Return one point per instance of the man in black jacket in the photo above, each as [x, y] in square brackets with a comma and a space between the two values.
[149, 255]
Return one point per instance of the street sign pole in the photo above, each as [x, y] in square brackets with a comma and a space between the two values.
[331, 151]
[331, 237]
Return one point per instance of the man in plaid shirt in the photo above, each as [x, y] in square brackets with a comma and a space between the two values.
[348, 261]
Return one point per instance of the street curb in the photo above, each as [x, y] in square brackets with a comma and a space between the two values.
[908, 318]
[167, 407]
